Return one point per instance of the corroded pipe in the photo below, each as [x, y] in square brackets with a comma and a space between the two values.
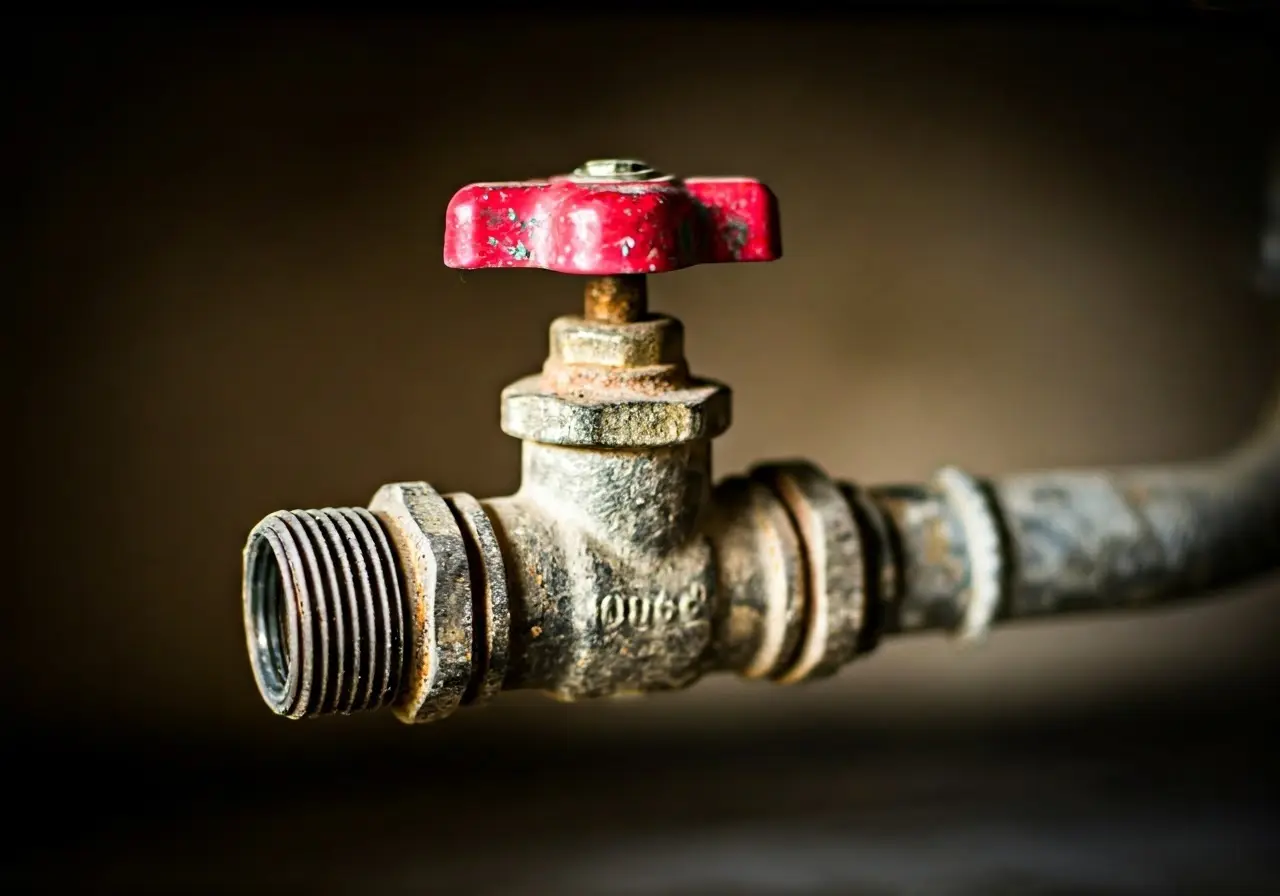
[1078, 540]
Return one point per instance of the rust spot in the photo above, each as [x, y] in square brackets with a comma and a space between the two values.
[588, 381]
[937, 547]
[616, 300]
[1135, 496]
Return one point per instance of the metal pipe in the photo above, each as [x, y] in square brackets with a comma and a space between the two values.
[1081, 540]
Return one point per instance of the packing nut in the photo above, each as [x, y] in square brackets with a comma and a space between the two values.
[701, 409]
[646, 343]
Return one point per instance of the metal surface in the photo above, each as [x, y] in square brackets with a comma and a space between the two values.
[618, 567]
[1126, 538]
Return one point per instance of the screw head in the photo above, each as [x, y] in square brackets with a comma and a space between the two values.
[615, 169]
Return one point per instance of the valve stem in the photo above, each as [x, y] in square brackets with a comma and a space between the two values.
[620, 299]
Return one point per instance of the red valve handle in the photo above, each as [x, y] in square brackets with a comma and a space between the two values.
[612, 218]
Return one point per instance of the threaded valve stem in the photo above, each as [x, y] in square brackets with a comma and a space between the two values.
[324, 612]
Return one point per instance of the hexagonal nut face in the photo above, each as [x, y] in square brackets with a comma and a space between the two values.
[702, 410]
[437, 587]
[833, 547]
[646, 343]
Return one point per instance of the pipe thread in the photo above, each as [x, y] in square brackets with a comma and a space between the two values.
[324, 611]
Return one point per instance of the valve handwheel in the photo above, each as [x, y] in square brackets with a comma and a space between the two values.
[614, 220]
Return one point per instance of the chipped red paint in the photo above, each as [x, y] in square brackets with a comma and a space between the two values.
[578, 226]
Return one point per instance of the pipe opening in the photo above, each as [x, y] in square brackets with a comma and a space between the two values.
[272, 616]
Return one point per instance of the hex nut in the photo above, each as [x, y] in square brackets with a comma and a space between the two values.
[490, 602]
[647, 343]
[700, 410]
[437, 588]
[832, 546]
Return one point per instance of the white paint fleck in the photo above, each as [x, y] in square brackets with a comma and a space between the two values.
[586, 237]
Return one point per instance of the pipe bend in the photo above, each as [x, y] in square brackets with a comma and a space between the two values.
[1114, 538]
[1087, 539]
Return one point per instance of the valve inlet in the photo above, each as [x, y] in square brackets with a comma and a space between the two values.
[325, 609]
[619, 567]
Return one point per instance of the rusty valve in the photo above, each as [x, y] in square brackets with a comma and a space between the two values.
[617, 567]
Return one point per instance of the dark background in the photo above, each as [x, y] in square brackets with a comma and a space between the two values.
[1012, 242]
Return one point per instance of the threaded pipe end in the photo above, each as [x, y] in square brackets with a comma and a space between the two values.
[324, 612]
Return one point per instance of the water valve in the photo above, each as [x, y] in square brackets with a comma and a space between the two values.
[619, 567]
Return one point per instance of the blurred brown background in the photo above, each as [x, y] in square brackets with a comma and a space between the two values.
[1010, 244]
